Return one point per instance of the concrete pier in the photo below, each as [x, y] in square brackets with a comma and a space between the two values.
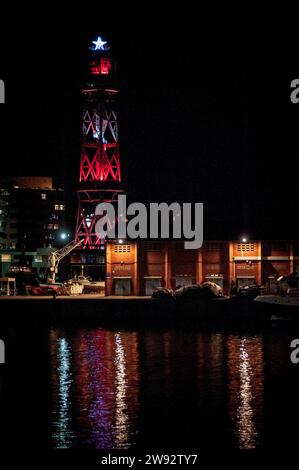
[127, 310]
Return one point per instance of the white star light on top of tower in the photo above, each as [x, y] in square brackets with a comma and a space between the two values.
[99, 45]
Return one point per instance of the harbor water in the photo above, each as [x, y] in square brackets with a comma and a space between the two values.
[90, 387]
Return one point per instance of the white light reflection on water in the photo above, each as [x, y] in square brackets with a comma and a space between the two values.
[121, 418]
[246, 388]
[247, 432]
[63, 435]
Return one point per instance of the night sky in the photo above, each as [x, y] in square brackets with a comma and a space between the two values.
[204, 116]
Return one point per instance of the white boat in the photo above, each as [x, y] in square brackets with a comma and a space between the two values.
[87, 286]
[73, 288]
[86, 281]
[284, 304]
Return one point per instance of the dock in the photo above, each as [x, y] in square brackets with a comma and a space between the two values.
[123, 310]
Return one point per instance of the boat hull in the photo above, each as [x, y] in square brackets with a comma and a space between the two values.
[280, 307]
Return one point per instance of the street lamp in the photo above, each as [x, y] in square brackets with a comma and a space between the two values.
[64, 236]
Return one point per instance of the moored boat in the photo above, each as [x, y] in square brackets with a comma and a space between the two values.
[285, 303]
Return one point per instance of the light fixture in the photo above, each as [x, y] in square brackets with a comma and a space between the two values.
[99, 45]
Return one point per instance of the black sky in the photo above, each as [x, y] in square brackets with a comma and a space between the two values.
[203, 115]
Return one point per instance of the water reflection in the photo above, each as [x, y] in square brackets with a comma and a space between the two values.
[151, 389]
[246, 388]
[61, 375]
[121, 421]
[117, 389]
[99, 389]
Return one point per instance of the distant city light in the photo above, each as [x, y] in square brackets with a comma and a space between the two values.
[244, 240]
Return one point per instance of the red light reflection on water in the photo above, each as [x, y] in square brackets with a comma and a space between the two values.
[95, 388]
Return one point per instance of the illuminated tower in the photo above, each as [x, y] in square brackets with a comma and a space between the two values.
[100, 173]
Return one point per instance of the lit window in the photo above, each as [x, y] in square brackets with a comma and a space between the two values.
[105, 66]
[59, 207]
[56, 226]
[122, 248]
[245, 247]
[101, 68]
[43, 196]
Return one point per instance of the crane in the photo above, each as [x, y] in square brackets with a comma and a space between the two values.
[56, 256]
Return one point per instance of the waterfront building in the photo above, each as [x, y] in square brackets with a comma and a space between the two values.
[32, 213]
[137, 268]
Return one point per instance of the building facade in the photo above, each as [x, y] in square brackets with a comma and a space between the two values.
[32, 213]
[137, 268]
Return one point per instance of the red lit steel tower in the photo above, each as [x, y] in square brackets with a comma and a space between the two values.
[100, 173]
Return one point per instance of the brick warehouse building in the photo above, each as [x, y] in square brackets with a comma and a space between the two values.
[137, 268]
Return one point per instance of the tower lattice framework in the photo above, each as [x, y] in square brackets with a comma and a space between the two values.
[100, 173]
